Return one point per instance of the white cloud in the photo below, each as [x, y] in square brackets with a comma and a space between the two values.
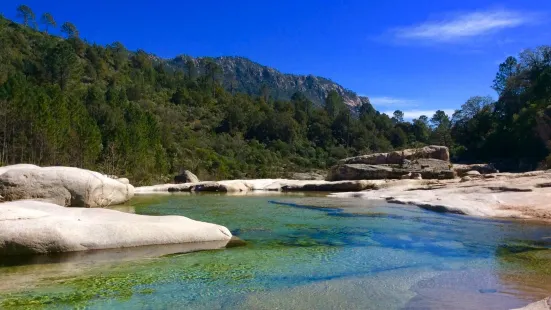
[463, 26]
[391, 102]
[411, 114]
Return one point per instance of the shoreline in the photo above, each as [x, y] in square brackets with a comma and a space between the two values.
[525, 196]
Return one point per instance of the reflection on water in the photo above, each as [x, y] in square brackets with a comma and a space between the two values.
[304, 253]
[96, 256]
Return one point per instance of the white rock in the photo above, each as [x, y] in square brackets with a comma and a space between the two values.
[397, 157]
[18, 166]
[540, 305]
[65, 186]
[472, 173]
[186, 176]
[123, 180]
[263, 185]
[508, 195]
[30, 227]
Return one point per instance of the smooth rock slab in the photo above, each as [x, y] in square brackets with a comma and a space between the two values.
[508, 195]
[463, 170]
[397, 157]
[35, 227]
[307, 176]
[262, 185]
[65, 186]
[341, 186]
[18, 166]
[540, 305]
[381, 172]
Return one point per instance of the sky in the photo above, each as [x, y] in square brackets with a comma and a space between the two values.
[415, 56]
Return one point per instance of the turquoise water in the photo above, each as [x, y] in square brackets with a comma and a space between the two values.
[305, 253]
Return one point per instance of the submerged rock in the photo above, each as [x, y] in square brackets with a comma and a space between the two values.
[65, 186]
[33, 227]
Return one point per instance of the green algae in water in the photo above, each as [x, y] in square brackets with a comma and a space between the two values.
[532, 257]
[193, 270]
[288, 246]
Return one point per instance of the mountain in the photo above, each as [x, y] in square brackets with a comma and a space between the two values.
[240, 74]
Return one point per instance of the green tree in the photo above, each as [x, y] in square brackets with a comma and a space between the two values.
[441, 124]
[48, 21]
[191, 68]
[399, 138]
[61, 63]
[398, 116]
[421, 129]
[212, 70]
[471, 108]
[70, 30]
[334, 104]
[507, 70]
[26, 13]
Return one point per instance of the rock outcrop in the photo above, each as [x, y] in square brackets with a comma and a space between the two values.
[262, 185]
[544, 304]
[430, 162]
[186, 177]
[18, 166]
[506, 195]
[341, 186]
[65, 186]
[363, 172]
[32, 227]
[307, 176]
[381, 172]
[398, 157]
[462, 169]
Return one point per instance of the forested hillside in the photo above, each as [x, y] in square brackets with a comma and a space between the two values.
[64, 101]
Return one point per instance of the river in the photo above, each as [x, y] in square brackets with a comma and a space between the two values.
[302, 252]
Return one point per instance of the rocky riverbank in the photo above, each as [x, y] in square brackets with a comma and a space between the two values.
[544, 304]
[423, 177]
[34, 227]
[65, 186]
[263, 185]
[504, 195]
[58, 209]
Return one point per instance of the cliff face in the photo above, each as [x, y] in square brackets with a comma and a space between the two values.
[243, 75]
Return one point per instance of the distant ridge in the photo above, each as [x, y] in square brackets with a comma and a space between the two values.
[243, 75]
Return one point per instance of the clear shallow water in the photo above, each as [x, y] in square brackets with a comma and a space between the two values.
[306, 253]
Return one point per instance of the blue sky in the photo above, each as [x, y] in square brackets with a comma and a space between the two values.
[417, 56]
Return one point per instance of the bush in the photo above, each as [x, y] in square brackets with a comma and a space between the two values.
[547, 162]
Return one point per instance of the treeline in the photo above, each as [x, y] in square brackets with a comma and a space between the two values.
[514, 131]
[68, 102]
